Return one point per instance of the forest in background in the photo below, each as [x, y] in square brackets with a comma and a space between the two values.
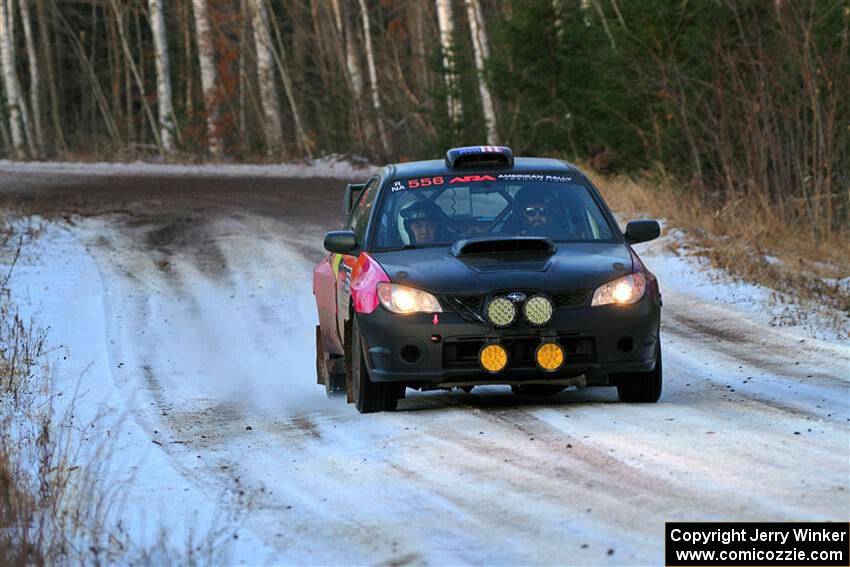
[737, 101]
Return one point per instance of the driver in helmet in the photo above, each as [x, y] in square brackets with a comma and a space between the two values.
[536, 209]
[422, 222]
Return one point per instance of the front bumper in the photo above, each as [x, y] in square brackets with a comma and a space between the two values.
[597, 341]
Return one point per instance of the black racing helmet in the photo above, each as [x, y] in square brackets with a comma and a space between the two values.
[420, 210]
[532, 194]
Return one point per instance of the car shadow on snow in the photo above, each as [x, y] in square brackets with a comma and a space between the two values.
[501, 397]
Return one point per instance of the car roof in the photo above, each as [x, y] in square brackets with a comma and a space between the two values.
[438, 167]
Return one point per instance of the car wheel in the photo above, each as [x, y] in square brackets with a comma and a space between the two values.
[541, 390]
[369, 397]
[641, 387]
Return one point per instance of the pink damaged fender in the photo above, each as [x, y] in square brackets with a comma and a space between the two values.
[365, 277]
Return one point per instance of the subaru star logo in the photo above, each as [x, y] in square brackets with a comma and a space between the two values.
[517, 296]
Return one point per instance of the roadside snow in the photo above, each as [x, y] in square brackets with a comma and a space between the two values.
[688, 274]
[56, 283]
[323, 167]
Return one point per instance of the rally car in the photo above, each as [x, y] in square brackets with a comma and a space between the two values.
[484, 269]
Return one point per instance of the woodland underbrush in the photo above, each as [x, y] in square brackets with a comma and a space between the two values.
[750, 240]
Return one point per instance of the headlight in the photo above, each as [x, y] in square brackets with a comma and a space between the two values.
[501, 311]
[401, 299]
[537, 310]
[623, 291]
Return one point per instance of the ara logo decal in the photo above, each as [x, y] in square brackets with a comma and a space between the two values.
[472, 178]
[397, 186]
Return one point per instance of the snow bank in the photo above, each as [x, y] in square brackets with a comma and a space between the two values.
[324, 167]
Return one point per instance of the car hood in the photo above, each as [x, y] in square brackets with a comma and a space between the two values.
[573, 266]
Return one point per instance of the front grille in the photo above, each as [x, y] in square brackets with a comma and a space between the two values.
[464, 304]
[569, 298]
[463, 353]
[471, 302]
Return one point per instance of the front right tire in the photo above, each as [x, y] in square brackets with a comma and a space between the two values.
[369, 396]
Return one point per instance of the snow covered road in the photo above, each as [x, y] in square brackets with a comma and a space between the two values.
[186, 305]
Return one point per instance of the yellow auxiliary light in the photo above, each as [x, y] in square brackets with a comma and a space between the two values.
[501, 311]
[493, 357]
[549, 356]
[538, 310]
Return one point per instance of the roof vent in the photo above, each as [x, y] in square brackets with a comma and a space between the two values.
[480, 156]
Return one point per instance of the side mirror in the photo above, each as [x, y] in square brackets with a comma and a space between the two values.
[340, 241]
[642, 231]
[352, 191]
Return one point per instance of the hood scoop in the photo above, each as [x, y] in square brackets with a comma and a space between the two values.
[488, 246]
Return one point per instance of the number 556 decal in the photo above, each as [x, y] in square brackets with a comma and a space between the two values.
[424, 182]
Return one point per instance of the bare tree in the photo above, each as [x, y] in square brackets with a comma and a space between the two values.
[445, 20]
[44, 30]
[373, 78]
[35, 83]
[352, 62]
[10, 80]
[290, 93]
[134, 71]
[167, 126]
[481, 48]
[206, 56]
[265, 76]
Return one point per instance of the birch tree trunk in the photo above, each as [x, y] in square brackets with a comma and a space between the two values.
[140, 84]
[10, 81]
[481, 47]
[35, 83]
[373, 78]
[445, 21]
[266, 78]
[52, 79]
[353, 72]
[167, 125]
[206, 56]
[290, 94]
[352, 62]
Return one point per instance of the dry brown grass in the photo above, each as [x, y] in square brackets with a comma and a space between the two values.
[750, 241]
[59, 504]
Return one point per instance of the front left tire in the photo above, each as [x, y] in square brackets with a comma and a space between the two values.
[369, 396]
[641, 387]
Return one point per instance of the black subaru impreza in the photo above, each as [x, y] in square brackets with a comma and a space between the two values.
[484, 269]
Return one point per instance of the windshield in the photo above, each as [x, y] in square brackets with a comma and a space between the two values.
[437, 211]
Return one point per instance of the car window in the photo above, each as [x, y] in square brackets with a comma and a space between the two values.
[438, 211]
[359, 219]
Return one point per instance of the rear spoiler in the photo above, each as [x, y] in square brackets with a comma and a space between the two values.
[503, 245]
[352, 191]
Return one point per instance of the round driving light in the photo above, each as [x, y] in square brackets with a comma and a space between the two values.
[493, 357]
[501, 311]
[537, 310]
[549, 356]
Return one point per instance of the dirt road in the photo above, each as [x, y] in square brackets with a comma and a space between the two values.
[209, 320]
